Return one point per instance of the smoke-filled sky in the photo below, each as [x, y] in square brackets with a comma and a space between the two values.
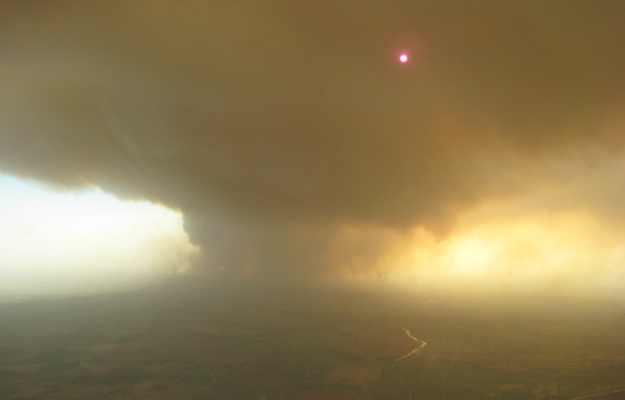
[298, 148]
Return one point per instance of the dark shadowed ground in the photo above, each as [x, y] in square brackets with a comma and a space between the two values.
[193, 340]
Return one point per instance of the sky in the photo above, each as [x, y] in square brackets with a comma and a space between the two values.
[84, 241]
[296, 147]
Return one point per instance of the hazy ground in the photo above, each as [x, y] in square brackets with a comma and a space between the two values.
[194, 340]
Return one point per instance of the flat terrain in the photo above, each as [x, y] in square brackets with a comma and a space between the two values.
[192, 340]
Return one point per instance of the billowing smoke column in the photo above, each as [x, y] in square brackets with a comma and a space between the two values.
[287, 133]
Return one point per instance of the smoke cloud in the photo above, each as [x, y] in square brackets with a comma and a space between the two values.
[292, 140]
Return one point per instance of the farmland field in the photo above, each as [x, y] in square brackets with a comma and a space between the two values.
[193, 341]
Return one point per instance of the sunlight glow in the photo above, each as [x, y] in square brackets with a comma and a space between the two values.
[571, 252]
[470, 254]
